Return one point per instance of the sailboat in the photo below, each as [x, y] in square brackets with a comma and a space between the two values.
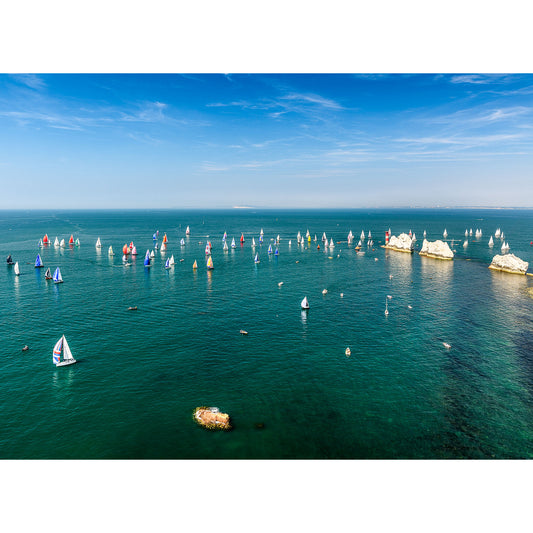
[233, 242]
[465, 244]
[62, 243]
[491, 242]
[187, 231]
[77, 243]
[164, 247]
[154, 237]
[57, 276]
[276, 252]
[165, 240]
[261, 238]
[10, 260]
[210, 263]
[16, 268]
[182, 242]
[386, 306]
[167, 263]
[152, 254]
[71, 240]
[466, 233]
[470, 232]
[134, 250]
[269, 248]
[225, 247]
[195, 265]
[207, 250]
[38, 262]
[224, 237]
[147, 259]
[497, 233]
[98, 243]
[290, 242]
[324, 238]
[261, 232]
[253, 242]
[62, 345]
[256, 259]
[362, 237]
[332, 244]
[41, 244]
[110, 251]
[445, 234]
[46, 240]
[48, 274]
[424, 234]
[171, 261]
[242, 238]
[369, 234]
[56, 242]
[156, 247]
[305, 303]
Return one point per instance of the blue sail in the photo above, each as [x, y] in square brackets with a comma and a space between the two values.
[38, 261]
[260, 238]
[269, 248]
[276, 252]
[147, 261]
[154, 237]
[256, 258]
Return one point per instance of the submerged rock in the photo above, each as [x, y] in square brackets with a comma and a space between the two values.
[402, 243]
[211, 418]
[509, 263]
[437, 249]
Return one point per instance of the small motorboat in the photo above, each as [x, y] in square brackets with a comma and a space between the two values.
[325, 291]
[446, 345]
[348, 352]
[133, 308]
[26, 348]
[243, 332]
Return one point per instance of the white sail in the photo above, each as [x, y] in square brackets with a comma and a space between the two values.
[16, 268]
[362, 237]
[465, 244]
[62, 243]
[491, 242]
[57, 276]
[171, 261]
[67, 354]
[110, 251]
[445, 234]
[253, 242]
[497, 233]
[187, 231]
[470, 231]
[331, 244]
[305, 303]
[369, 234]
[56, 242]
[261, 232]
[98, 243]
[224, 247]
[152, 254]
[233, 242]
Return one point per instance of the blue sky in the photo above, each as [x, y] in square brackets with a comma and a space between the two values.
[265, 140]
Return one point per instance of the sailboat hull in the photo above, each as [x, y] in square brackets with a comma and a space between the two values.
[67, 362]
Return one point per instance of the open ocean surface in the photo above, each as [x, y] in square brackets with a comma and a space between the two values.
[140, 374]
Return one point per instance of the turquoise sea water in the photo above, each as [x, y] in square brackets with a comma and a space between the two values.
[140, 374]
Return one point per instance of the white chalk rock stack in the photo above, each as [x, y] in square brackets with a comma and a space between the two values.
[509, 263]
[436, 249]
[402, 243]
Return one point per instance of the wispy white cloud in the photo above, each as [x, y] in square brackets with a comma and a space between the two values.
[480, 79]
[30, 80]
[147, 112]
[313, 99]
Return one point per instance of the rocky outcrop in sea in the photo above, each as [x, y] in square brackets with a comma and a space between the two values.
[509, 263]
[402, 243]
[436, 249]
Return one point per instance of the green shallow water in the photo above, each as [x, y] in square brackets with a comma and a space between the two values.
[141, 373]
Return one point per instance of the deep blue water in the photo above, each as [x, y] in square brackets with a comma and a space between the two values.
[140, 374]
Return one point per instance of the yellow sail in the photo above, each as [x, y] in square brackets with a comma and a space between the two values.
[195, 264]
